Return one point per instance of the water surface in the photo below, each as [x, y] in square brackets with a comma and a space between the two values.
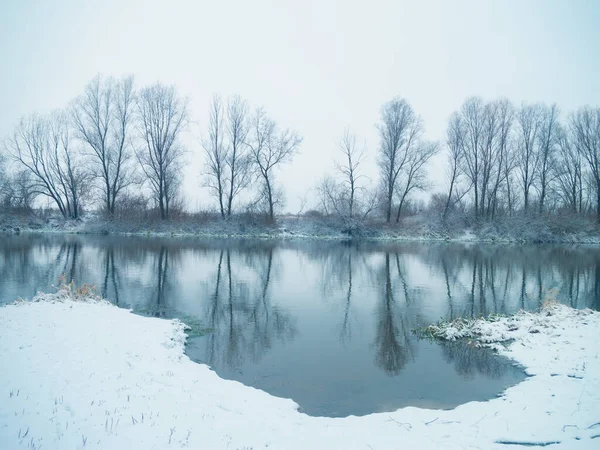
[328, 324]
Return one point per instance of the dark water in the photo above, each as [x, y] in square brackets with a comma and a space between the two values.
[327, 324]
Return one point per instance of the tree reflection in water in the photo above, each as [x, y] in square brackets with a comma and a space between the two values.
[356, 303]
[469, 360]
[243, 322]
[393, 342]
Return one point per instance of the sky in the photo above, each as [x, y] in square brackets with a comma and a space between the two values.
[315, 66]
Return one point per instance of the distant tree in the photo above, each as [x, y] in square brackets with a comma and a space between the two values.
[473, 119]
[400, 130]
[5, 183]
[163, 116]
[270, 147]
[216, 151]
[228, 163]
[585, 126]
[455, 135]
[528, 127]
[569, 171]
[505, 155]
[238, 160]
[17, 191]
[415, 176]
[547, 143]
[480, 144]
[350, 168]
[103, 117]
[330, 196]
[42, 146]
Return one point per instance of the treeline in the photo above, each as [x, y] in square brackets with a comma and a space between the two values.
[120, 148]
[501, 159]
[113, 142]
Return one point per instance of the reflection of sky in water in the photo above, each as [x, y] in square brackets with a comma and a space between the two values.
[326, 324]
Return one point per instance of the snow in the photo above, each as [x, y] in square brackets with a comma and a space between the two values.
[78, 372]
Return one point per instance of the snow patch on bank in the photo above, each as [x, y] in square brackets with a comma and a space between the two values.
[86, 374]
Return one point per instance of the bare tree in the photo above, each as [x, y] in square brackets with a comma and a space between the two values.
[330, 196]
[585, 126]
[415, 176]
[528, 130]
[505, 158]
[569, 170]
[22, 190]
[473, 116]
[270, 147]
[349, 168]
[548, 139]
[238, 161]
[42, 146]
[480, 139]
[103, 119]
[216, 153]
[399, 131]
[163, 116]
[454, 140]
[490, 153]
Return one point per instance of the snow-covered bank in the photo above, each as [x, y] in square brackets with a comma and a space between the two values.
[517, 230]
[86, 374]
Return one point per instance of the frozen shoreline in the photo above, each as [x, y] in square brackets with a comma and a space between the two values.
[291, 227]
[87, 374]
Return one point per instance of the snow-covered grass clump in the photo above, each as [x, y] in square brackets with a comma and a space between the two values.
[79, 373]
[68, 292]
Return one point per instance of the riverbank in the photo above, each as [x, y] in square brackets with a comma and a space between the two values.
[79, 372]
[416, 228]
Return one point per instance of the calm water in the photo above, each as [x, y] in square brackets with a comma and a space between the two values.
[327, 324]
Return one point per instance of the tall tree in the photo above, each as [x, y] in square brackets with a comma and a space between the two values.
[585, 126]
[350, 168]
[270, 147]
[163, 116]
[569, 172]
[238, 160]
[528, 130]
[547, 142]
[399, 131]
[103, 119]
[454, 141]
[216, 151]
[473, 115]
[414, 177]
[505, 158]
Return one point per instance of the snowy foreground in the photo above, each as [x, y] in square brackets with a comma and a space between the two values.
[86, 374]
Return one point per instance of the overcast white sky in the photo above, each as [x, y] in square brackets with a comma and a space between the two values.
[316, 66]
